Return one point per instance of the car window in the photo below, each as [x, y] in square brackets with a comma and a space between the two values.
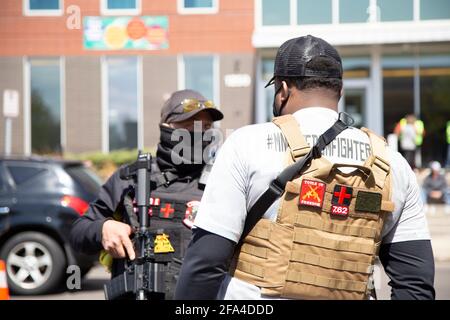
[21, 174]
[85, 177]
[2, 181]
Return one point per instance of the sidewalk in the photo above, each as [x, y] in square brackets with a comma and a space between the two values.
[439, 223]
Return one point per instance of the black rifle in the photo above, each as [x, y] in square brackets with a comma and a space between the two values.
[143, 278]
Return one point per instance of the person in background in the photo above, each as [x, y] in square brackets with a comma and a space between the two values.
[435, 188]
[176, 184]
[410, 131]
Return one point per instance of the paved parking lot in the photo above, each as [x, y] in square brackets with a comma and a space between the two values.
[439, 223]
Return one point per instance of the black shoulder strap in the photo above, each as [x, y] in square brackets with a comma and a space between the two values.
[164, 178]
[276, 187]
[161, 178]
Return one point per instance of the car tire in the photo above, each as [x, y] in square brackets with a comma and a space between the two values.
[38, 255]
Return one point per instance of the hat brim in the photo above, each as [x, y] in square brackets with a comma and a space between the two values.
[271, 82]
[215, 114]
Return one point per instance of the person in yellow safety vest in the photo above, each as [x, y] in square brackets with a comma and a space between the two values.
[447, 163]
[420, 129]
[411, 132]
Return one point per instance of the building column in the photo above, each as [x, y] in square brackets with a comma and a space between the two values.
[376, 111]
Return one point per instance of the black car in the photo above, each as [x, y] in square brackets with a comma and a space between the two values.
[39, 200]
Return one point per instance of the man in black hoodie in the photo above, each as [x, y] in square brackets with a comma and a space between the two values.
[176, 186]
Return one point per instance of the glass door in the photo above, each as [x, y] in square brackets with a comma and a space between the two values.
[354, 104]
[355, 100]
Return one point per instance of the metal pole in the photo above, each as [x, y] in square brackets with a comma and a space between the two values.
[8, 135]
[417, 102]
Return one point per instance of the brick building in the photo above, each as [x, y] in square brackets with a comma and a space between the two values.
[89, 100]
[90, 80]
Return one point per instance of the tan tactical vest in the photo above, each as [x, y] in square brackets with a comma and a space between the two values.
[328, 229]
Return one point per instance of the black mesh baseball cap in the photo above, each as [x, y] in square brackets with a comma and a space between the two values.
[172, 110]
[295, 54]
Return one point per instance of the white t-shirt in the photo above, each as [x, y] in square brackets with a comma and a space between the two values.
[254, 155]
[408, 137]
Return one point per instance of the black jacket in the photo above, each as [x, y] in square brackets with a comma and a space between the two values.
[86, 233]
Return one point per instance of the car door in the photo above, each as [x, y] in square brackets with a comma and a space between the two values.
[6, 200]
[31, 196]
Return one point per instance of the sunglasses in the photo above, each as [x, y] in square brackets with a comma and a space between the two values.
[195, 104]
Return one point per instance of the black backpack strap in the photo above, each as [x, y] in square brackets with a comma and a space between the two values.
[276, 187]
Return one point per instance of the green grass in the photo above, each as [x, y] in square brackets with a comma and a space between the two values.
[104, 164]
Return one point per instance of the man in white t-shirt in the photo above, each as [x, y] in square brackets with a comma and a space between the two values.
[308, 85]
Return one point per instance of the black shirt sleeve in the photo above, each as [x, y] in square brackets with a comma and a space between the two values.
[86, 232]
[205, 265]
[410, 267]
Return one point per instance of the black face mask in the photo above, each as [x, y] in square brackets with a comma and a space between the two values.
[277, 113]
[185, 155]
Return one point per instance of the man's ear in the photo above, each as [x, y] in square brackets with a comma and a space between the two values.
[284, 90]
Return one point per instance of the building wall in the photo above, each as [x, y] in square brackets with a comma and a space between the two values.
[11, 77]
[160, 80]
[83, 104]
[230, 30]
[236, 103]
[226, 35]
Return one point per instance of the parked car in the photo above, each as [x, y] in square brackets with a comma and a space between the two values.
[39, 200]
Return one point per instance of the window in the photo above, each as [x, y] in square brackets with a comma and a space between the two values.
[3, 182]
[275, 13]
[313, 11]
[398, 90]
[120, 7]
[307, 12]
[122, 102]
[199, 75]
[43, 7]
[434, 9]
[351, 11]
[434, 102]
[198, 6]
[356, 67]
[45, 90]
[395, 10]
[355, 104]
[85, 178]
[23, 173]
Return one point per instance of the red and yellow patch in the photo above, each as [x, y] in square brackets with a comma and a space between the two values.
[312, 193]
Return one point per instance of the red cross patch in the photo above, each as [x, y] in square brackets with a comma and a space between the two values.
[166, 211]
[342, 195]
